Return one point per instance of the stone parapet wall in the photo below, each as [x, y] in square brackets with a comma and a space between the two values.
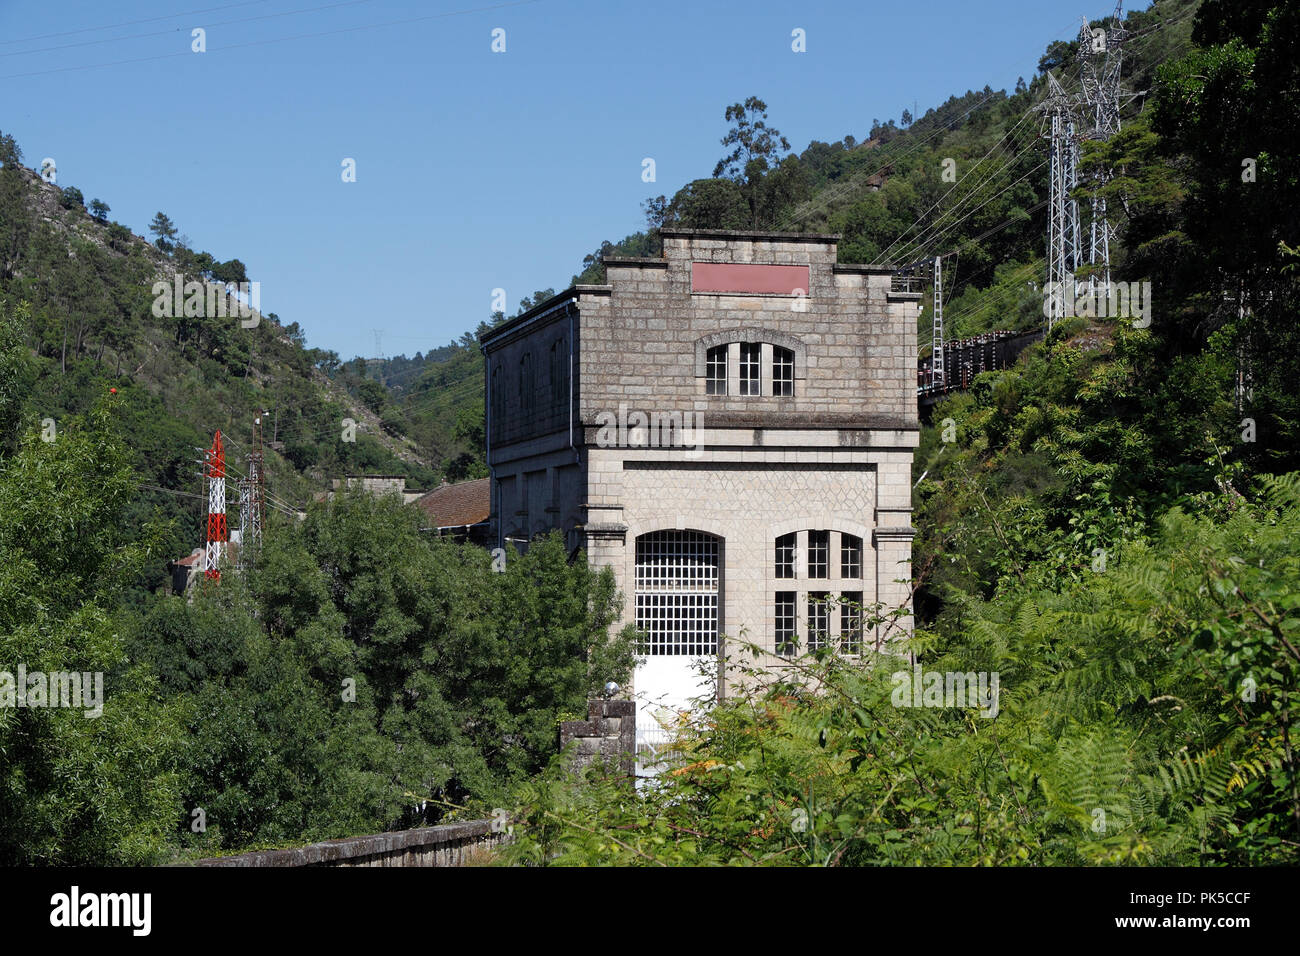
[450, 844]
[608, 733]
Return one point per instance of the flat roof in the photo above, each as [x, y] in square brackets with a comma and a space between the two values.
[756, 235]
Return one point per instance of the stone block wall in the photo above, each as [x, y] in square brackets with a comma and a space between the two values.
[608, 734]
[856, 342]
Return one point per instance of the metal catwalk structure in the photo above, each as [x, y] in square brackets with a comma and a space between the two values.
[936, 343]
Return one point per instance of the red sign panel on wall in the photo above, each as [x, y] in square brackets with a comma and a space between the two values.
[749, 277]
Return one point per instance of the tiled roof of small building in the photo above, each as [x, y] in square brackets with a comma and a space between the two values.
[454, 506]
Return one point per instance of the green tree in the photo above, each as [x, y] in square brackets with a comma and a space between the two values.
[76, 789]
[71, 197]
[710, 204]
[164, 230]
[755, 148]
[1224, 120]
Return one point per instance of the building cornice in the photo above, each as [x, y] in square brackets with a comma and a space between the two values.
[750, 235]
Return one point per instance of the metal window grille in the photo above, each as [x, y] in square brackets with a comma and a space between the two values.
[750, 358]
[851, 622]
[677, 592]
[782, 371]
[785, 623]
[818, 620]
[717, 370]
[850, 556]
[785, 555]
[819, 554]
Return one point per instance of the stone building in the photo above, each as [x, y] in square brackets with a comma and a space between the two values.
[730, 427]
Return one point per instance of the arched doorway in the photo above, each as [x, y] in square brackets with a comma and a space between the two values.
[678, 591]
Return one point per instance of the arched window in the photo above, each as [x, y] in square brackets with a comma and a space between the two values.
[559, 372]
[526, 379]
[750, 362]
[677, 587]
[498, 394]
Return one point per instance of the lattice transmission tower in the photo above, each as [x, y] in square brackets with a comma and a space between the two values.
[218, 532]
[1101, 60]
[1063, 245]
[252, 500]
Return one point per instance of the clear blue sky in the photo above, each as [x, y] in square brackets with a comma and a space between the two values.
[475, 170]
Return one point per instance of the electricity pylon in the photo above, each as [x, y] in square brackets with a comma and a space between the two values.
[1063, 246]
[252, 497]
[1101, 60]
[218, 532]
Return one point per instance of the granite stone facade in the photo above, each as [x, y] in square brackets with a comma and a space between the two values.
[750, 450]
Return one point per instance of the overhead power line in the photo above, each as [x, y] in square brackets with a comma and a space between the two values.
[286, 39]
[131, 23]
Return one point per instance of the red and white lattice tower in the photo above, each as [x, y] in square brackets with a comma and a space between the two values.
[218, 538]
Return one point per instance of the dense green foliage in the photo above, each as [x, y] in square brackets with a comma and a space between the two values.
[1143, 717]
[362, 676]
[1111, 527]
[365, 677]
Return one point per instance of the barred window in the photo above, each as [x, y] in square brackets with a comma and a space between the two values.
[819, 554]
[785, 555]
[677, 592]
[818, 620]
[850, 556]
[851, 622]
[782, 371]
[717, 370]
[750, 359]
[785, 623]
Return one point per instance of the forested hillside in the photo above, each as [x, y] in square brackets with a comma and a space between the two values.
[1110, 526]
[81, 287]
[882, 190]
